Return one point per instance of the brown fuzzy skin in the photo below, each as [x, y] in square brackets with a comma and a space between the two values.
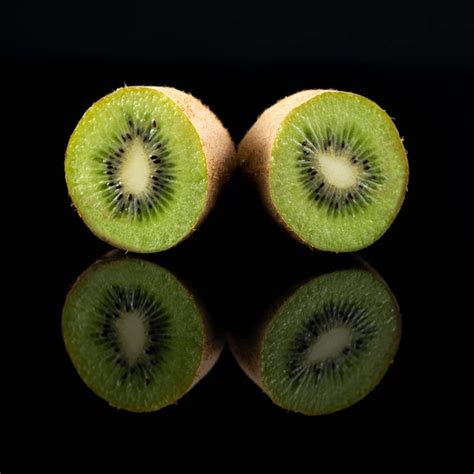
[255, 150]
[213, 339]
[247, 348]
[213, 346]
[219, 149]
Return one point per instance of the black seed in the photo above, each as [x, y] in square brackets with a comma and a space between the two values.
[129, 137]
[109, 173]
[130, 123]
[153, 123]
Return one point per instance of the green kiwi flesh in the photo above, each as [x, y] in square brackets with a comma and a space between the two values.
[134, 333]
[330, 343]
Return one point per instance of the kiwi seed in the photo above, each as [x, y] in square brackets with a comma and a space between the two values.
[335, 200]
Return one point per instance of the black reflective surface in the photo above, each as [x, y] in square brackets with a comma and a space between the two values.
[240, 261]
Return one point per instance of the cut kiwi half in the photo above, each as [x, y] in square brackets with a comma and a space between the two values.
[136, 335]
[331, 167]
[327, 345]
[144, 165]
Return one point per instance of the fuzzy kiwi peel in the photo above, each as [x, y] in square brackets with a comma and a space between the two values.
[324, 346]
[144, 166]
[330, 167]
[136, 335]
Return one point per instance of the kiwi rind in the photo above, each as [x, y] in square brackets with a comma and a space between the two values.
[247, 346]
[255, 156]
[213, 340]
[218, 150]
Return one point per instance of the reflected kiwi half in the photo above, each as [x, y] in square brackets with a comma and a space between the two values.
[136, 335]
[327, 345]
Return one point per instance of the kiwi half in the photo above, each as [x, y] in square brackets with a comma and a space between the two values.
[144, 165]
[136, 335]
[331, 168]
[327, 345]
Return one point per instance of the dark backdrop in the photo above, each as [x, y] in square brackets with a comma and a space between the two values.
[240, 58]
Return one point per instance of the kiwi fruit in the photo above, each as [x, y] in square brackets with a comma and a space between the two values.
[136, 335]
[144, 166]
[326, 346]
[330, 166]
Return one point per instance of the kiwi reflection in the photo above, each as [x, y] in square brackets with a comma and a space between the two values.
[327, 345]
[136, 335]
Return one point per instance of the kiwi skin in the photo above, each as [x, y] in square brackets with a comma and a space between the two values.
[217, 143]
[254, 152]
[218, 146]
[246, 346]
[213, 339]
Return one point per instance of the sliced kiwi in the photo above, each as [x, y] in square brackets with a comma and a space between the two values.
[327, 345]
[144, 165]
[331, 167]
[136, 335]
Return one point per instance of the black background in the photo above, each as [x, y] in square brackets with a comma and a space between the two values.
[240, 58]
